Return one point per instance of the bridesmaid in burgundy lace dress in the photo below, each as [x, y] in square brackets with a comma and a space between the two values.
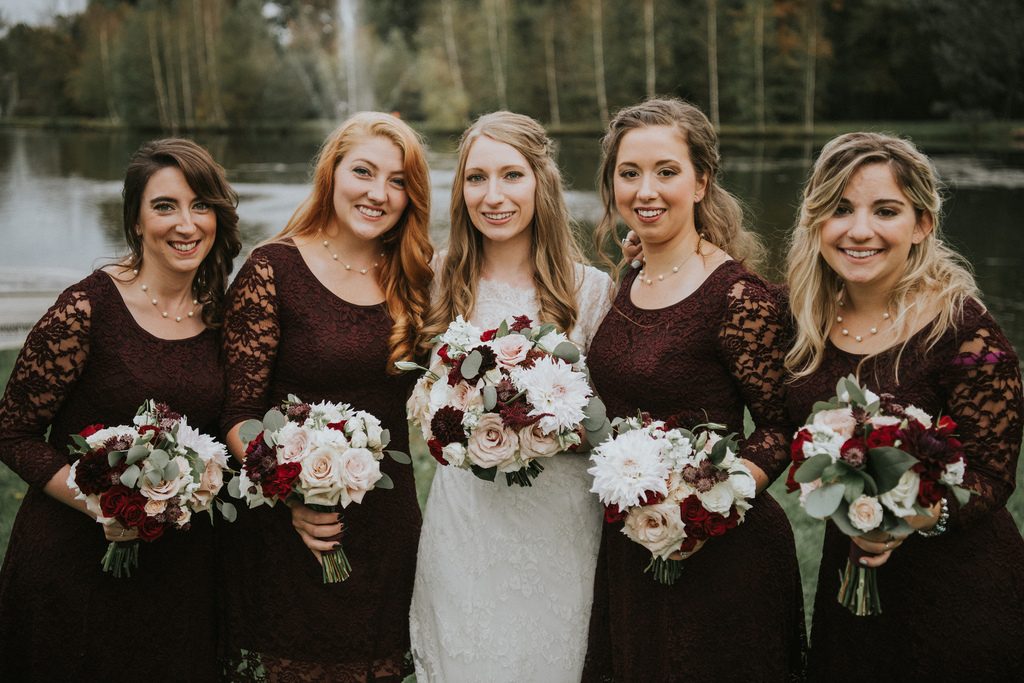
[875, 290]
[144, 328]
[705, 338]
[323, 311]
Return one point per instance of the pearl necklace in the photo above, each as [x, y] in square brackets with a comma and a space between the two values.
[857, 337]
[675, 269]
[361, 271]
[166, 314]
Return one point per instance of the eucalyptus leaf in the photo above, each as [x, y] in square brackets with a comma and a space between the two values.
[567, 351]
[485, 473]
[854, 486]
[822, 502]
[824, 405]
[235, 487]
[274, 420]
[812, 468]
[130, 476]
[384, 482]
[841, 518]
[153, 477]
[171, 471]
[114, 457]
[249, 430]
[962, 495]
[597, 436]
[471, 365]
[887, 465]
[270, 439]
[136, 453]
[399, 457]
[158, 458]
[227, 510]
[545, 330]
[596, 414]
[490, 397]
[385, 437]
[526, 332]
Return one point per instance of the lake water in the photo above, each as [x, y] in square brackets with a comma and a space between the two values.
[60, 212]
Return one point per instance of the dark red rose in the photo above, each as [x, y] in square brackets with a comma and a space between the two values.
[733, 519]
[447, 425]
[442, 353]
[613, 514]
[693, 511]
[697, 532]
[254, 445]
[883, 436]
[929, 492]
[688, 544]
[90, 430]
[945, 425]
[854, 453]
[113, 500]
[791, 483]
[796, 449]
[520, 323]
[134, 511]
[436, 447]
[151, 529]
[715, 524]
[339, 425]
[652, 498]
[488, 335]
[145, 429]
[288, 472]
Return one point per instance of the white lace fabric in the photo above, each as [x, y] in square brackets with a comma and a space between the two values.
[504, 575]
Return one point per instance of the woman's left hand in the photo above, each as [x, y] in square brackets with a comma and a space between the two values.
[881, 544]
[679, 555]
[119, 534]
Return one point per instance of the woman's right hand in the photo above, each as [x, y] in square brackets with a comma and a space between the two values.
[320, 531]
[632, 249]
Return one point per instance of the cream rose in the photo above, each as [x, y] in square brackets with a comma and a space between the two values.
[953, 475]
[320, 478]
[466, 398]
[359, 472]
[166, 489]
[839, 420]
[659, 528]
[490, 444]
[184, 518]
[865, 513]
[454, 453]
[292, 443]
[900, 498]
[155, 507]
[534, 443]
[511, 349]
[917, 414]
[210, 484]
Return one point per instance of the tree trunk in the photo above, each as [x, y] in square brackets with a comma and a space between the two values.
[109, 86]
[649, 46]
[810, 64]
[598, 31]
[491, 13]
[713, 61]
[187, 103]
[211, 27]
[158, 77]
[202, 63]
[554, 114]
[173, 109]
[451, 46]
[759, 94]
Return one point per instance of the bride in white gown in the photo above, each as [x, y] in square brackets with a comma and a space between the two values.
[504, 575]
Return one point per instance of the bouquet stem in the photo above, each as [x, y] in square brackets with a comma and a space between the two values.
[121, 558]
[336, 567]
[666, 572]
[858, 587]
[524, 475]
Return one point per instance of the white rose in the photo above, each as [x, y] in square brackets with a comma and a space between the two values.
[865, 513]
[839, 420]
[953, 475]
[210, 484]
[659, 528]
[292, 443]
[741, 482]
[359, 472]
[155, 507]
[917, 414]
[374, 433]
[358, 439]
[535, 443]
[901, 498]
[511, 349]
[454, 453]
[884, 421]
[491, 444]
[719, 499]
[320, 478]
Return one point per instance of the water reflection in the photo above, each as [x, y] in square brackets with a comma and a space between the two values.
[60, 199]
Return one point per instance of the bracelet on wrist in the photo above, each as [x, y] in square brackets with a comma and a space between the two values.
[940, 526]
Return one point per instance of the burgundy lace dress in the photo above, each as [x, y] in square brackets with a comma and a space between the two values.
[288, 334]
[736, 611]
[61, 618]
[952, 605]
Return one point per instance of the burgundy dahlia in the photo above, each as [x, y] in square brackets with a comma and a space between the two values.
[447, 425]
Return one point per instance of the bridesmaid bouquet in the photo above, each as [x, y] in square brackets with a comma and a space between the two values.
[672, 488]
[499, 400]
[326, 455]
[866, 463]
[152, 475]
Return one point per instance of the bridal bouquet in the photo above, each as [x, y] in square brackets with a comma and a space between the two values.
[326, 455]
[152, 475]
[672, 488]
[866, 462]
[499, 400]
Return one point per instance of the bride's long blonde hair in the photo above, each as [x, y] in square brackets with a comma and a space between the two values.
[934, 272]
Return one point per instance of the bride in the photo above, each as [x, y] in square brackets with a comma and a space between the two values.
[504, 573]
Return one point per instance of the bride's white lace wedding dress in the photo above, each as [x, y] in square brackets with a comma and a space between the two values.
[504, 576]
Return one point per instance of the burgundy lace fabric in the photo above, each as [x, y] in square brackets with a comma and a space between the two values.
[953, 605]
[61, 618]
[286, 333]
[736, 612]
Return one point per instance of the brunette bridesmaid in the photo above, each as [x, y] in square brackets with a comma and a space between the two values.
[706, 337]
[876, 291]
[323, 311]
[145, 327]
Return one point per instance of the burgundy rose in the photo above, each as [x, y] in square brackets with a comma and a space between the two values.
[339, 425]
[929, 492]
[89, 430]
[733, 520]
[150, 529]
[697, 531]
[796, 449]
[436, 450]
[883, 436]
[652, 498]
[254, 445]
[791, 483]
[488, 335]
[945, 425]
[134, 511]
[442, 353]
[693, 511]
[688, 544]
[613, 514]
[715, 524]
[113, 500]
[520, 323]
[145, 429]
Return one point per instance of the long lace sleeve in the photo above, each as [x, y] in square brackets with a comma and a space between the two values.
[594, 299]
[47, 368]
[251, 333]
[752, 341]
[984, 389]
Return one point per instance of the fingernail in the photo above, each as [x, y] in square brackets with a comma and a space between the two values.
[341, 518]
[335, 546]
[863, 560]
[635, 264]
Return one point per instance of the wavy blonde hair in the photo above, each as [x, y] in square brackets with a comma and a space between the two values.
[405, 273]
[554, 248]
[718, 217]
[934, 271]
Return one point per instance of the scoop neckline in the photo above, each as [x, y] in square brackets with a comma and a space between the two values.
[131, 316]
[309, 271]
[628, 284]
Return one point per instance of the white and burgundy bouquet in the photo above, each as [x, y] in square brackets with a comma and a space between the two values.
[672, 487]
[866, 463]
[326, 455]
[151, 476]
[499, 400]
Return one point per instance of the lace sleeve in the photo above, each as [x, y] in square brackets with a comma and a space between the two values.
[753, 343]
[594, 299]
[47, 368]
[251, 333]
[984, 390]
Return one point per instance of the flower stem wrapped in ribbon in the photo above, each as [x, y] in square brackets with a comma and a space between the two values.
[866, 463]
[672, 488]
[326, 455]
